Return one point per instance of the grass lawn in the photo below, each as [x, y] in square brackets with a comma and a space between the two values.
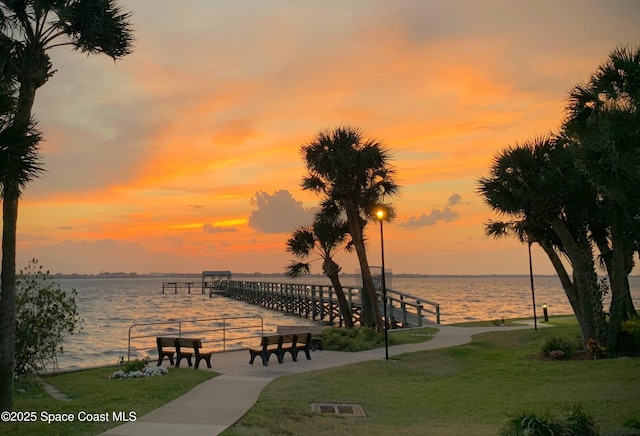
[92, 392]
[472, 389]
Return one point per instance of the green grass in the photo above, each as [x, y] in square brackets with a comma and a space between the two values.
[472, 389]
[91, 391]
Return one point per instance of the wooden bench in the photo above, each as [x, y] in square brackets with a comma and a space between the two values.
[315, 330]
[280, 345]
[268, 345]
[196, 346]
[163, 344]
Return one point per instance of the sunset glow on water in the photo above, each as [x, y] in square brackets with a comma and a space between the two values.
[110, 306]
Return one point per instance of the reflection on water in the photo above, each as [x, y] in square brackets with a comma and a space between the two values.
[110, 306]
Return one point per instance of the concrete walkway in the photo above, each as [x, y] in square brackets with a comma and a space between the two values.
[213, 406]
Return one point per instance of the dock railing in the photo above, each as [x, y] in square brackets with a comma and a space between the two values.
[320, 302]
[221, 334]
[412, 309]
[179, 285]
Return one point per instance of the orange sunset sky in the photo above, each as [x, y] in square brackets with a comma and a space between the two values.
[184, 155]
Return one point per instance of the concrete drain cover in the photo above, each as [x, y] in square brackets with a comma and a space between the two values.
[339, 409]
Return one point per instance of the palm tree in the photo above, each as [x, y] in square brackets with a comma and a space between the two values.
[30, 28]
[354, 175]
[538, 185]
[323, 238]
[603, 119]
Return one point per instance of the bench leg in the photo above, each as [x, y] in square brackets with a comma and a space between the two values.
[163, 355]
[265, 361]
[183, 356]
[206, 358]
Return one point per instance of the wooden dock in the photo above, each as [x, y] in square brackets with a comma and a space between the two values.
[178, 285]
[319, 302]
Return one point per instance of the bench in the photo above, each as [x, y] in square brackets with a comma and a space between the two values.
[315, 330]
[167, 347]
[280, 345]
[163, 344]
[196, 346]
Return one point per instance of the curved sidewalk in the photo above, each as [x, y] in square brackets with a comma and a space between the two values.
[213, 406]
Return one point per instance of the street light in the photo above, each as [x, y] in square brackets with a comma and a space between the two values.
[380, 214]
[533, 292]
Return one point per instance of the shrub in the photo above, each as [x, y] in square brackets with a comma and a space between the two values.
[356, 339]
[596, 349]
[630, 337]
[558, 348]
[135, 365]
[577, 422]
[45, 315]
[633, 423]
[137, 368]
[530, 424]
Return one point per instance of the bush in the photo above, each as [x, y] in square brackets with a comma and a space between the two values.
[138, 368]
[577, 422]
[630, 337]
[45, 315]
[530, 424]
[135, 365]
[559, 348]
[356, 339]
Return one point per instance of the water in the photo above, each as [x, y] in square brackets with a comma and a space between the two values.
[109, 306]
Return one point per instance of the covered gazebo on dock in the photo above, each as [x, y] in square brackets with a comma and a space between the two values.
[215, 281]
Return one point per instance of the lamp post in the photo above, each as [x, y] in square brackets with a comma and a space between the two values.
[380, 213]
[533, 292]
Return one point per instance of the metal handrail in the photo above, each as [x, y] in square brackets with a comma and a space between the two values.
[224, 329]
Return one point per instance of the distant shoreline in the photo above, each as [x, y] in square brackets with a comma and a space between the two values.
[121, 275]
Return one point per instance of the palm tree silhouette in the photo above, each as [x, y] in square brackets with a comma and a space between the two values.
[354, 174]
[323, 238]
[29, 29]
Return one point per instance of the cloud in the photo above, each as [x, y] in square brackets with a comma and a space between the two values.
[278, 213]
[454, 199]
[447, 215]
[210, 228]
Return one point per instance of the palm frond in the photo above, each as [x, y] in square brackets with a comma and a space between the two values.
[97, 26]
[20, 160]
[302, 242]
[297, 269]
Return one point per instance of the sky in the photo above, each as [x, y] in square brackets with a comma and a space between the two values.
[185, 155]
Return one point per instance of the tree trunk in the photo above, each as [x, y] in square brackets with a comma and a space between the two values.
[11, 196]
[621, 307]
[8, 296]
[370, 316]
[565, 279]
[590, 315]
[332, 270]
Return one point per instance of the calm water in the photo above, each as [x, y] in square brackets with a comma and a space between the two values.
[110, 306]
